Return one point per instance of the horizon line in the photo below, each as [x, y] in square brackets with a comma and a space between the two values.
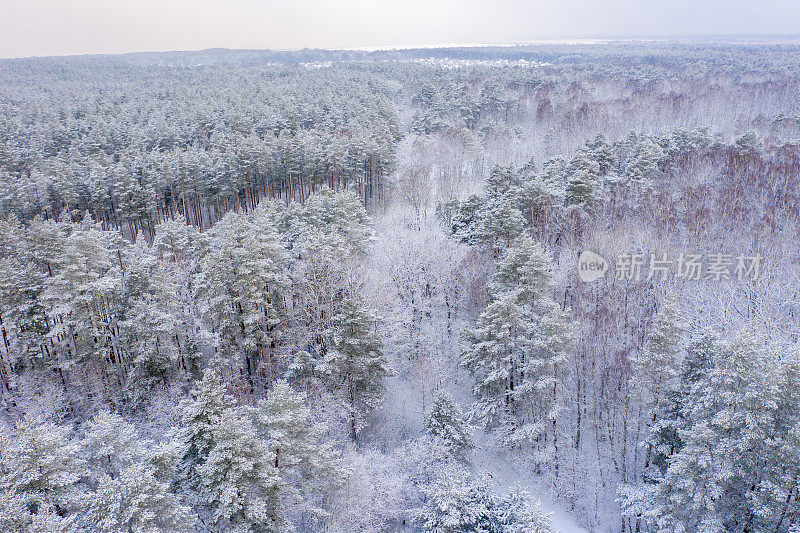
[736, 38]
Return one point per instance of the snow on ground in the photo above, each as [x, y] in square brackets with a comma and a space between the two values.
[505, 472]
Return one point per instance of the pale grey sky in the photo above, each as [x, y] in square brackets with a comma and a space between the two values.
[56, 27]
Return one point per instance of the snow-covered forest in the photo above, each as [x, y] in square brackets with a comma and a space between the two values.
[338, 291]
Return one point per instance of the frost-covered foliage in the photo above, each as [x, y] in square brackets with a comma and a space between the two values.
[456, 503]
[445, 424]
[337, 291]
[517, 351]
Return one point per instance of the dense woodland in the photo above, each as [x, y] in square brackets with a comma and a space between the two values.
[338, 291]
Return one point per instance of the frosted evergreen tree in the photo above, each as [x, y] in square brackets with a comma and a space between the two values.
[456, 504]
[340, 213]
[495, 349]
[329, 237]
[45, 240]
[666, 437]
[48, 520]
[41, 467]
[179, 248]
[307, 463]
[355, 366]
[518, 352]
[84, 298]
[446, 425]
[698, 360]
[200, 414]
[240, 289]
[783, 468]
[16, 515]
[720, 480]
[239, 483]
[174, 240]
[517, 364]
[748, 143]
[502, 183]
[643, 167]
[656, 369]
[151, 327]
[135, 500]
[112, 444]
[582, 179]
[502, 223]
[542, 373]
[602, 153]
[23, 319]
[165, 458]
[525, 266]
[540, 197]
[467, 220]
[518, 513]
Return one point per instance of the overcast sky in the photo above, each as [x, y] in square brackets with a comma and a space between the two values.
[56, 27]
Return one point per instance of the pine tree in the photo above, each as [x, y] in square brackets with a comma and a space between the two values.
[665, 435]
[518, 513]
[239, 483]
[340, 213]
[502, 223]
[83, 297]
[48, 520]
[241, 288]
[308, 465]
[42, 466]
[602, 152]
[495, 349]
[17, 513]
[152, 321]
[656, 369]
[175, 241]
[23, 320]
[643, 167]
[445, 424]
[329, 236]
[467, 220]
[150, 329]
[45, 239]
[179, 248]
[456, 504]
[200, 414]
[582, 181]
[540, 197]
[720, 479]
[543, 371]
[525, 266]
[111, 444]
[518, 352]
[135, 500]
[355, 365]
[516, 357]
[15, 516]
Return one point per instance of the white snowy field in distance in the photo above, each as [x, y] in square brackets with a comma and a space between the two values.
[677, 39]
[787, 39]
